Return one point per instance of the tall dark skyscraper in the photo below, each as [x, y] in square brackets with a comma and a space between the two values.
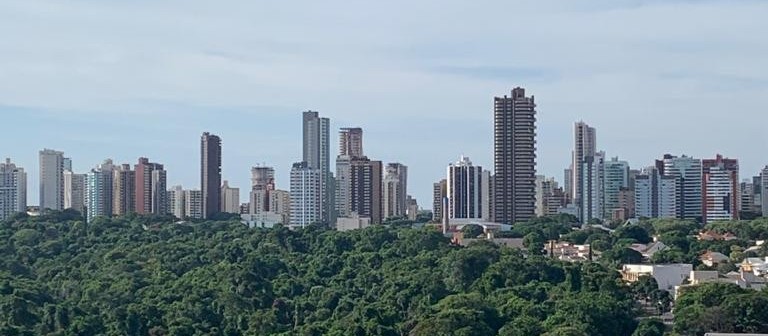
[210, 174]
[514, 157]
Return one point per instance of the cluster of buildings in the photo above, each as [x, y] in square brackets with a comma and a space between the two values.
[600, 189]
[364, 191]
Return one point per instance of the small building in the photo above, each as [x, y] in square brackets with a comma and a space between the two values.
[569, 252]
[713, 259]
[650, 249]
[264, 220]
[712, 235]
[458, 239]
[352, 223]
[667, 276]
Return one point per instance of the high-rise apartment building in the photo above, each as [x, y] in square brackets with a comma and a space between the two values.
[721, 194]
[316, 154]
[615, 178]
[549, 196]
[688, 173]
[514, 157]
[467, 190]
[655, 194]
[151, 187]
[123, 190]
[365, 189]
[193, 204]
[98, 191]
[176, 205]
[395, 190]
[584, 145]
[51, 180]
[568, 184]
[280, 203]
[626, 201]
[306, 198]
[13, 189]
[592, 194]
[764, 191]
[210, 174]
[351, 142]
[262, 185]
[74, 191]
[230, 199]
[439, 192]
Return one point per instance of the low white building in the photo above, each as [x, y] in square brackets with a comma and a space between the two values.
[352, 223]
[264, 220]
[667, 276]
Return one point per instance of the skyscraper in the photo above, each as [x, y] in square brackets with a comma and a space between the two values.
[365, 189]
[98, 190]
[230, 199]
[13, 189]
[123, 190]
[721, 194]
[262, 186]
[584, 145]
[351, 142]
[466, 190]
[514, 157]
[151, 187]
[764, 191]
[306, 207]
[688, 173]
[193, 204]
[394, 189]
[51, 180]
[439, 192]
[615, 178]
[210, 174]
[316, 152]
[592, 194]
[655, 194]
[74, 191]
[176, 205]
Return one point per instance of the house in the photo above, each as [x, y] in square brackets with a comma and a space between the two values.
[649, 250]
[742, 279]
[756, 266]
[458, 239]
[712, 235]
[569, 252]
[667, 276]
[712, 259]
[758, 246]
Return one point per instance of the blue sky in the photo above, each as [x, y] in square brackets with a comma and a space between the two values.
[123, 79]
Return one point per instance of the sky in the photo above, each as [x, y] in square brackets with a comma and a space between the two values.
[124, 79]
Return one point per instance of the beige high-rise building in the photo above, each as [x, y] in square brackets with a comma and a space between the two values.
[439, 192]
[514, 157]
[351, 142]
[193, 204]
[230, 199]
[549, 196]
[51, 180]
[584, 145]
[123, 190]
[176, 205]
[395, 190]
[74, 191]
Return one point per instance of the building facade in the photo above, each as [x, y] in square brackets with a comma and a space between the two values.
[439, 192]
[549, 196]
[592, 193]
[467, 190]
[210, 174]
[230, 199]
[395, 190]
[514, 157]
[193, 204]
[74, 191]
[306, 195]
[98, 191]
[721, 196]
[584, 145]
[51, 180]
[655, 194]
[615, 178]
[365, 189]
[316, 154]
[688, 173]
[176, 202]
[13, 190]
[123, 190]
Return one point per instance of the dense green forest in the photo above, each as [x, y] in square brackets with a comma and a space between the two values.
[151, 276]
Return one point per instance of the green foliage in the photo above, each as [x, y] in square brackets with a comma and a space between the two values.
[716, 307]
[140, 275]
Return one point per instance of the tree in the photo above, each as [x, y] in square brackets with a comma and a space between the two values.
[649, 327]
[472, 230]
[534, 242]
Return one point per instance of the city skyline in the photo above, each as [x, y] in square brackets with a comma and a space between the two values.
[101, 83]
